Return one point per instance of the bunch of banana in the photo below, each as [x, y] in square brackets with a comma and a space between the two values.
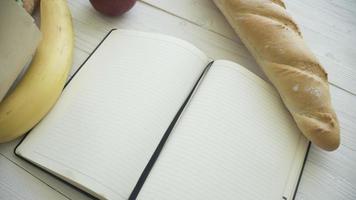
[43, 82]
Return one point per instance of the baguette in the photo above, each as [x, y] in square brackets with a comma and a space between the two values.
[275, 41]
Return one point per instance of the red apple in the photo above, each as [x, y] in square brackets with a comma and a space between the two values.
[112, 7]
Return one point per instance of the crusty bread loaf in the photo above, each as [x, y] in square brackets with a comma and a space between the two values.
[275, 41]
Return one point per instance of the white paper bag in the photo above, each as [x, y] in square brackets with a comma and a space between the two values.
[19, 37]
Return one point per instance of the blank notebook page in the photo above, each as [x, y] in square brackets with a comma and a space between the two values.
[110, 118]
[235, 140]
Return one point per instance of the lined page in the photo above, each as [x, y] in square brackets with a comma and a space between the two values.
[235, 140]
[110, 118]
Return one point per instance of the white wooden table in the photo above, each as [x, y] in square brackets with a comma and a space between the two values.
[329, 26]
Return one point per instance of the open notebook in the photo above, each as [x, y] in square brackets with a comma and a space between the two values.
[149, 116]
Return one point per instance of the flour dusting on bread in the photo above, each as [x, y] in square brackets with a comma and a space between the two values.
[274, 39]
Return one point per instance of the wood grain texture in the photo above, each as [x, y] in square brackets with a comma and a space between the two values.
[19, 165]
[147, 18]
[329, 176]
[17, 184]
[329, 28]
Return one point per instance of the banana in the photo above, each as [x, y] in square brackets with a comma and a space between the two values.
[44, 80]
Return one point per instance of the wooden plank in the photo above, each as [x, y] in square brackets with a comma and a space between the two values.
[329, 31]
[90, 28]
[38, 176]
[79, 57]
[329, 187]
[17, 184]
[328, 28]
[203, 13]
[327, 175]
[331, 175]
[143, 17]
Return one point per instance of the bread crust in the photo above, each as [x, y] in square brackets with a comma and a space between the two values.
[275, 41]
